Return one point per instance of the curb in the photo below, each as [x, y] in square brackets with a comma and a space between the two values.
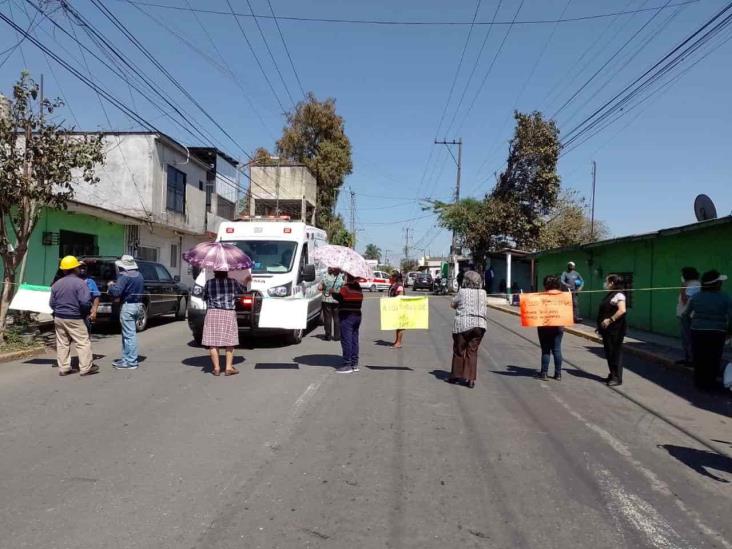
[647, 355]
[24, 353]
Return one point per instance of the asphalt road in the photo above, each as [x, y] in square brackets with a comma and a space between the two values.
[291, 454]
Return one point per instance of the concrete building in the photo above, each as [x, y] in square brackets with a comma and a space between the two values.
[285, 189]
[154, 200]
[651, 260]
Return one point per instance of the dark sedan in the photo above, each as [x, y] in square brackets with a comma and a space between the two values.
[423, 281]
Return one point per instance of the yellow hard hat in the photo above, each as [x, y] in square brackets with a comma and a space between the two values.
[69, 262]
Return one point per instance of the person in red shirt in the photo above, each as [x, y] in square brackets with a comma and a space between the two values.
[350, 299]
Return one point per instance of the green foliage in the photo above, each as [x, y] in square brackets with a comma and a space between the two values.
[315, 136]
[527, 191]
[408, 265]
[337, 232]
[372, 251]
[568, 224]
[39, 163]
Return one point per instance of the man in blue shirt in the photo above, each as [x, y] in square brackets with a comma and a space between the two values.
[572, 281]
[130, 290]
[70, 302]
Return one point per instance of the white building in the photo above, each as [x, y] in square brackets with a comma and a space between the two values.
[168, 197]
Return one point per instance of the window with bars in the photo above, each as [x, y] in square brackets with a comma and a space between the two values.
[146, 253]
[224, 208]
[176, 191]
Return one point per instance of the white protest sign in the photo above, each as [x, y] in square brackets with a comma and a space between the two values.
[287, 314]
[32, 298]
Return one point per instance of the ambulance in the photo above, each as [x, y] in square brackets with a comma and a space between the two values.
[281, 250]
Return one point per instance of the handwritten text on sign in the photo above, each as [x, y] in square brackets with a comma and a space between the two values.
[547, 309]
[405, 313]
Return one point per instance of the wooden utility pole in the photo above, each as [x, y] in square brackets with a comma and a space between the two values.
[353, 217]
[592, 215]
[458, 162]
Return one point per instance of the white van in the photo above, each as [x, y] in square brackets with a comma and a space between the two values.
[280, 250]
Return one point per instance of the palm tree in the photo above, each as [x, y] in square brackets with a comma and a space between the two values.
[372, 251]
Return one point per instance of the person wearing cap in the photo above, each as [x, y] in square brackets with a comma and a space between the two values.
[130, 290]
[710, 313]
[572, 282]
[71, 302]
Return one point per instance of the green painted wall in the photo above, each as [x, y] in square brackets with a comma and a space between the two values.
[43, 260]
[654, 262]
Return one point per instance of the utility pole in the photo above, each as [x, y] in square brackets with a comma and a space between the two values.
[353, 217]
[458, 162]
[592, 215]
[406, 244]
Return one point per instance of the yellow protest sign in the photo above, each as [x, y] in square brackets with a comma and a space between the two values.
[547, 309]
[405, 313]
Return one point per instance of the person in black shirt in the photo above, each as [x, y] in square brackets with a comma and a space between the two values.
[611, 326]
[350, 299]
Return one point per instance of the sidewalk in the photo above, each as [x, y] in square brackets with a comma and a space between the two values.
[667, 391]
[657, 348]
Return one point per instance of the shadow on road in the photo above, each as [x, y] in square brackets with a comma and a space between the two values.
[676, 381]
[204, 362]
[701, 460]
[276, 366]
[442, 375]
[383, 343]
[332, 361]
[397, 368]
[584, 375]
[516, 371]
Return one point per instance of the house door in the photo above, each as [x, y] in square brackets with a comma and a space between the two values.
[77, 244]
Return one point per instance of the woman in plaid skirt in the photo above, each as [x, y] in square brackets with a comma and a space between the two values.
[219, 327]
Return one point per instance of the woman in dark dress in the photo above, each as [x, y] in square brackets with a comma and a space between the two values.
[611, 325]
[396, 289]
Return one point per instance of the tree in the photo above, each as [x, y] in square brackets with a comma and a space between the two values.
[408, 265]
[529, 188]
[315, 136]
[39, 162]
[338, 233]
[473, 222]
[568, 224]
[372, 251]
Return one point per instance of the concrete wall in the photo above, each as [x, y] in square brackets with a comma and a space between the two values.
[294, 183]
[161, 239]
[654, 262]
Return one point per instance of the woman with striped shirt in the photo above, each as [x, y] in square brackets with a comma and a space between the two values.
[471, 305]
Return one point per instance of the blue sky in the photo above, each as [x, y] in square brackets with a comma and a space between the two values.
[391, 84]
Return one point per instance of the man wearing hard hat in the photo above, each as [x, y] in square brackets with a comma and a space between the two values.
[71, 303]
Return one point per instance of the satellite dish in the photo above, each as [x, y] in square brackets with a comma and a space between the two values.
[704, 208]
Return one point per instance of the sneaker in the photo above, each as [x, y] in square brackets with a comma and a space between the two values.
[344, 370]
[614, 382]
[541, 376]
[124, 366]
[118, 362]
[93, 370]
[63, 373]
[558, 377]
[356, 368]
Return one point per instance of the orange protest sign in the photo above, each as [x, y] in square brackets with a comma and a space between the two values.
[547, 309]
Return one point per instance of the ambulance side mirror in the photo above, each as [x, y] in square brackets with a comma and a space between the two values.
[308, 273]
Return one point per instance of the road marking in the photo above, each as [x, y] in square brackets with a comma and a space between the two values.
[305, 396]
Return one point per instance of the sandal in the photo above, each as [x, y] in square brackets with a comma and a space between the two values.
[216, 372]
[231, 372]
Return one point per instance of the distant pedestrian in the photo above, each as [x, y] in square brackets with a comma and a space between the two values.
[130, 290]
[550, 337]
[710, 312]
[690, 286]
[220, 328]
[95, 295]
[331, 285]
[573, 282]
[350, 299]
[611, 325]
[395, 290]
[71, 302]
[489, 276]
[471, 308]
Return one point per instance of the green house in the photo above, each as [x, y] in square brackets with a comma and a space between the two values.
[653, 260]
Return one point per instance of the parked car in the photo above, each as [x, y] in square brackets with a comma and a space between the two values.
[164, 293]
[423, 281]
[410, 278]
[380, 282]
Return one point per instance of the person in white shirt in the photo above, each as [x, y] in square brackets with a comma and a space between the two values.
[690, 286]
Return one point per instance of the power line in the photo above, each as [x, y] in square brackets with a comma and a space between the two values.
[254, 54]
[271, 56]
[394, 22]
[287, 50]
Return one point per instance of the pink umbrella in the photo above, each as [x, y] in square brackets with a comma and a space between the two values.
[343, 258]
[218, 256]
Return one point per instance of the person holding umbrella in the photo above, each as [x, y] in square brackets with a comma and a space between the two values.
[220, 327]
[349, 298]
